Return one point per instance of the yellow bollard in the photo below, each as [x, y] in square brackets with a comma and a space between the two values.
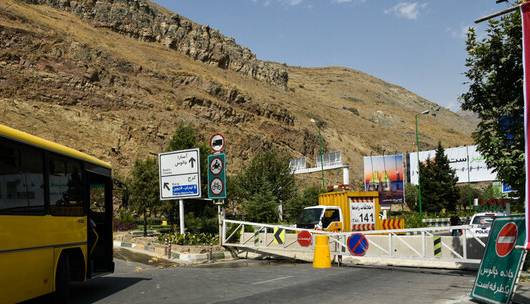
[322, 258]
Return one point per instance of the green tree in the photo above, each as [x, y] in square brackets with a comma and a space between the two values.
[294, 207]
[411, 196]
[267, 176]
[261, 207]
[467, 196]
[438, 183]
[186, 137]
[143, 188]
[495, 73]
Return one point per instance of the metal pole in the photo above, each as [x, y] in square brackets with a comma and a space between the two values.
[181, 216]
[220, 222]
[497, 14]
[418, 157]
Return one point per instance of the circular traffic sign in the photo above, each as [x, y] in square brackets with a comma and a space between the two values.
[506, 239]
[217, 186]
[216, 165]
[304, 238]
[217, 142]
[357, 244]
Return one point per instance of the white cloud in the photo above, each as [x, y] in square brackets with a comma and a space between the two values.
[406, 10]
[292, 2]
[458, 33]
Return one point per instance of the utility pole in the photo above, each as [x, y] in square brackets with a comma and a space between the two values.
[418, 158]
[418, 153]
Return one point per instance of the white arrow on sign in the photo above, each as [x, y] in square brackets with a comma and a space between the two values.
[179, 163]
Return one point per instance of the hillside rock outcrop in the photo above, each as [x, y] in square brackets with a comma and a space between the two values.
[144, 21]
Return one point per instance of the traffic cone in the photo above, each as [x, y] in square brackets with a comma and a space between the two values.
[322, 258]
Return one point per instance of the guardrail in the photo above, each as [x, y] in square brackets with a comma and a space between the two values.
[398, 244]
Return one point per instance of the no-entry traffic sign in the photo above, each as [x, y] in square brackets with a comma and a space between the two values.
[305, 238]
[500, 267]
[506, 240]
[357, 244]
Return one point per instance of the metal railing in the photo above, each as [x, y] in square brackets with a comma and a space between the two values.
[409, 244]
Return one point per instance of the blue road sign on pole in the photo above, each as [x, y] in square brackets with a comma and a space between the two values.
[217, 176]
[357, 244]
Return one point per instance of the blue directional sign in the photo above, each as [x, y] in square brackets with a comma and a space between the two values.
[506, 188]
[357, 244]
[185, 190]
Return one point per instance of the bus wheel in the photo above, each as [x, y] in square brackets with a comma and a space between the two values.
[62, 281]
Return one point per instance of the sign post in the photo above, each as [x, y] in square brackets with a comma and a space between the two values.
[217, 177]
[501, 265]
[180, 177]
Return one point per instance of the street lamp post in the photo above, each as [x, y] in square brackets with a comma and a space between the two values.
[321, 144]
[418, 157]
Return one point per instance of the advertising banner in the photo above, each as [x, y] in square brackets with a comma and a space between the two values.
[385, 175]
[478, 170]
[468, 163]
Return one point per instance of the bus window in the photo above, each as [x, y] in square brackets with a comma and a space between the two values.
[97, 198]
[21, 179]
[66, 187]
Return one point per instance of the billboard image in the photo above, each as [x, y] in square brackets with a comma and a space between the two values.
[468, 163]
[385, 175]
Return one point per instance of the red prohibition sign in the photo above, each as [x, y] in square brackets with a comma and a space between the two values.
[506, 240]
[216, 166]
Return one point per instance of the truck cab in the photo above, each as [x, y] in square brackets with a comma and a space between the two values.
[327, 218]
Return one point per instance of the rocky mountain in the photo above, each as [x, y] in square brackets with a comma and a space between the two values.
[114, 77]
[147, 22]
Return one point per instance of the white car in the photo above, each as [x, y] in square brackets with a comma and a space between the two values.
[481, 223]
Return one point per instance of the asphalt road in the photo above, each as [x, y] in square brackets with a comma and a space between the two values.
[258, 282]
[272, 283]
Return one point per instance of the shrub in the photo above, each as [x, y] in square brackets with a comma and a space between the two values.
[190, 239]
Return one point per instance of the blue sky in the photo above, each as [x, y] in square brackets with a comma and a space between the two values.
[419, 45]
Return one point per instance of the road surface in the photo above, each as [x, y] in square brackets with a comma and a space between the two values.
[262, 282]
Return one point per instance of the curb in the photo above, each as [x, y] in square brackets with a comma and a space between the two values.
[178, 257]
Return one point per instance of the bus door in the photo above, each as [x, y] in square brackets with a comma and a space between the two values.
[100, 225]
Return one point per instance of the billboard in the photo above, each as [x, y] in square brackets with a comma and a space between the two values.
[385, 175]
[468, 163]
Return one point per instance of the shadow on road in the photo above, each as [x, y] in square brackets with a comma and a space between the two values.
[94, 290]
[520, 299]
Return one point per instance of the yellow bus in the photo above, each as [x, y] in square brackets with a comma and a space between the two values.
[55, 217]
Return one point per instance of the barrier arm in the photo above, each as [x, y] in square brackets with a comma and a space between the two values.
[232, 234]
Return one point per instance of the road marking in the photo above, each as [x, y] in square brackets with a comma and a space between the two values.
[272, 280]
